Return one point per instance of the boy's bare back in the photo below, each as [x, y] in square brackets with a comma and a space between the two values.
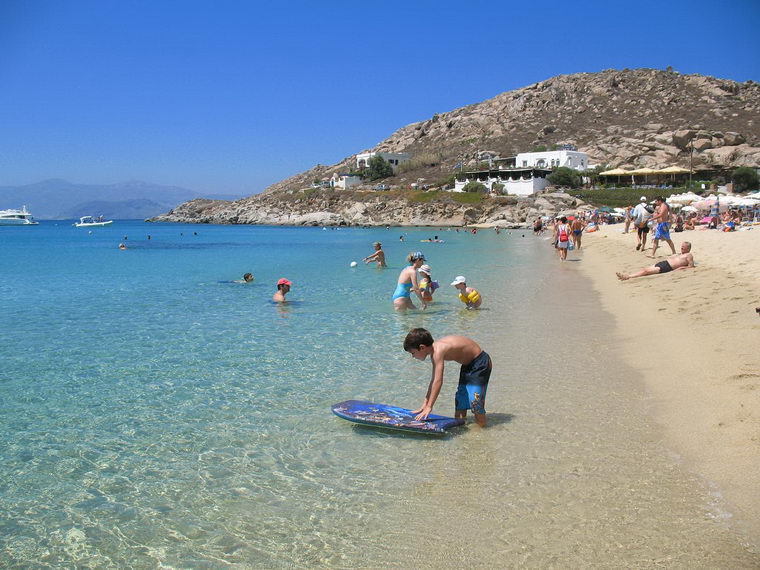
[457, 348]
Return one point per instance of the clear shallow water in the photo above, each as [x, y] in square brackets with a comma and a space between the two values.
[152, 414]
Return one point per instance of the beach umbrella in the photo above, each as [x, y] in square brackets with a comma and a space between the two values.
[688, 209]
[685, 198]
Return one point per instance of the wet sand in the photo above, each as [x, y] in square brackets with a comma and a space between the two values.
[694, 336]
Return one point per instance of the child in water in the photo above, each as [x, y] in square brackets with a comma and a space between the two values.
[473, 376]
[427, 285]
[469, 296]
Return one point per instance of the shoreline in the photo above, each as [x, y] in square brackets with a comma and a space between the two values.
[693, 336]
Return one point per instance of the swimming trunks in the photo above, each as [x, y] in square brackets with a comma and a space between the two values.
[402, 290]
[473, 384]
[662, 231]
[577, 232]
[664, 266]
[642, 231]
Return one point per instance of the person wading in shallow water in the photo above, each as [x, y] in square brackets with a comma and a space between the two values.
[408, 284]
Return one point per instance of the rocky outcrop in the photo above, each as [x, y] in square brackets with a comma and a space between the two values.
[330, 208]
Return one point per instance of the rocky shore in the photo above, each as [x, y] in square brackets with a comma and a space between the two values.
[339, 208]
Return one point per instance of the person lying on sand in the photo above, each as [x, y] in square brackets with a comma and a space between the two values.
[683, 260]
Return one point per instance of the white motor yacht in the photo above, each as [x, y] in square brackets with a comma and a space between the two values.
[17, 218]
[90, 222]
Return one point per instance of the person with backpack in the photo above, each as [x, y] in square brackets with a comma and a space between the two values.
[562, 237]
[641, 216]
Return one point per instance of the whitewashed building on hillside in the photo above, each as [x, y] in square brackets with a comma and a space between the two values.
[553, 159]
[393, 158]
[344, 181]
[515, 181]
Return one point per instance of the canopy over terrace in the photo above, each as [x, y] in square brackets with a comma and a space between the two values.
[672, 170]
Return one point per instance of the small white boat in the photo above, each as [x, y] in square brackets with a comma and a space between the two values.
[90, 222]
[17, 218]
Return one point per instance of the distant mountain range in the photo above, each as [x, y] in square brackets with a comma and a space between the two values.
[60, 200]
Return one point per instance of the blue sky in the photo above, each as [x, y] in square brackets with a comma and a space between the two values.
[231, 96]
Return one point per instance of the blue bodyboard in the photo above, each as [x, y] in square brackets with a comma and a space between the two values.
[391, 417]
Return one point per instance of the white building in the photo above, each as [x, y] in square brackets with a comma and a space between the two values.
[515, 181]
[393, 158]
[553, 159]
[344, 181]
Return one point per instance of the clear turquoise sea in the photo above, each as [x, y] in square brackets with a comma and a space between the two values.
[153, 413]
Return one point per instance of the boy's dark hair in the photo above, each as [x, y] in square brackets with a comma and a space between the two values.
[416, 338]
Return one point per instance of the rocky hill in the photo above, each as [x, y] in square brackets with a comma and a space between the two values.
[629, 118]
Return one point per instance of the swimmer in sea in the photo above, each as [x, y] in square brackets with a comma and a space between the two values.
[378, 256]
[407, 283]
[469, 296]
[122, 246]
[247, 278]
[283, 287]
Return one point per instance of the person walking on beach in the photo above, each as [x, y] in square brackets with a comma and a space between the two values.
[283, 287]
[473, 376]
[641, 222]
[683, 260]
[378, 256]
[627, 219]
[577, 226]
[662, 218]
[562, 237]
[469, 296]
[407, 283]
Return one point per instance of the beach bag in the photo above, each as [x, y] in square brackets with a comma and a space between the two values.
[570, 246]
[563, 234]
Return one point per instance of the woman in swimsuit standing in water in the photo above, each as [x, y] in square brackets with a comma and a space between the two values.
[407, 282]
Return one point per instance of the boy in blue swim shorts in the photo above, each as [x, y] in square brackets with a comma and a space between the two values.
[473, 376]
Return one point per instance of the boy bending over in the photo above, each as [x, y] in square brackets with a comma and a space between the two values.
[473, 376]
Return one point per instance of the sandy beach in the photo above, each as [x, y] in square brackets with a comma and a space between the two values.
[694, 336]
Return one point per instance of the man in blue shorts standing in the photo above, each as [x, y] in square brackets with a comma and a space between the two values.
[661, 217]
[473, 376]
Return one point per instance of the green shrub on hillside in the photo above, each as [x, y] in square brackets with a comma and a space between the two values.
[446, 181]
[378, 168]
[622, 197]
[474, 186]
[422, 196]
[744, 178]
[467, 197]
[564, 176]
